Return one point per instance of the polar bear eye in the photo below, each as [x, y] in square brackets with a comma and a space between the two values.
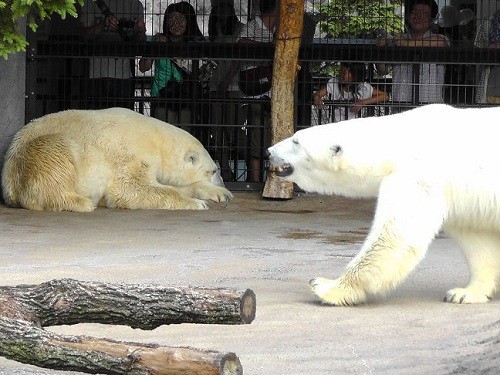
[191, 157]
[336, 150]
[295, 141]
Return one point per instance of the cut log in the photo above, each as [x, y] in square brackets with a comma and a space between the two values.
[141, 306]
[25, 309]
[285, 67]
[25, 342]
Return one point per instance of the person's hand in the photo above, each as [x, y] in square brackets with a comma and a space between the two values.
[140, 26]
[357, 106]
[111, 23]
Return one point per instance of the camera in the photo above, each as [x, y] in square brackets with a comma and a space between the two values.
[126, 29]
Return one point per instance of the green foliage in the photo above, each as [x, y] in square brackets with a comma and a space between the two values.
[360, 18]
[357, 19]
[11, 11]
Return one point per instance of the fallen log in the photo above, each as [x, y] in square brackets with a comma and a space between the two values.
[143, 306]
[25, 342]
[26, 309]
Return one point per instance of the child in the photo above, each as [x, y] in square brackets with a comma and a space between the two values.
[350, 86]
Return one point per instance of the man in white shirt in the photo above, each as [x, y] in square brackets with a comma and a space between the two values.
[111, 78]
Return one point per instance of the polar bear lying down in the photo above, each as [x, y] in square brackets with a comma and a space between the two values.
[75, 160]
[432, 168]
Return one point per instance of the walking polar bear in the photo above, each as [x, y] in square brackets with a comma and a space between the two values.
[432, 168]
[76, 160]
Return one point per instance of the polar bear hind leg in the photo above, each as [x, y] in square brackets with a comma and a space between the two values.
[43, 175]
[481, 251]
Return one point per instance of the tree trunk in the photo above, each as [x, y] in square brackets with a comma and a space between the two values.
[288, 36]
[25, 309]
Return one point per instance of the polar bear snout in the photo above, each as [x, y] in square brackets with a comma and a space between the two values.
[283, 170]
[216, 178]
[277, 164]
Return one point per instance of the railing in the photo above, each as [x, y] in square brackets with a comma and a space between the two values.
[56, 74]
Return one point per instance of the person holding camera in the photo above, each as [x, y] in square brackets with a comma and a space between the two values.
[172, 89]
[111, 81]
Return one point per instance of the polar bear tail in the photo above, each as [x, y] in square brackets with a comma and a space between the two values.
[40, 174]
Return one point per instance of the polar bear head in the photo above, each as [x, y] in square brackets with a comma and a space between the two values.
[332, 159]
[175, 156]
[186, 161]
[196, 165]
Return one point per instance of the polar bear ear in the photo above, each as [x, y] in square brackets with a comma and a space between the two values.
[191, 157]
[336, 150]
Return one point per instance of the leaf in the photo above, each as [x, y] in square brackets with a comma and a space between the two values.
[34, 10]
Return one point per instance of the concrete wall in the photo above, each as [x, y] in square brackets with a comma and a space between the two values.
[12, 103]
[12, 98]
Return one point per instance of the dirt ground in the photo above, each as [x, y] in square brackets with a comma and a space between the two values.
[273, 248]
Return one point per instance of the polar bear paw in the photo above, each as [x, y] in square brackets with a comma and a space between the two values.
[466, 295]
[197, 204]
[215, 193]
[336, 292]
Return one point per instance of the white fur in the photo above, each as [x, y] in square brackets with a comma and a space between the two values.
[78, 159]
[435, 167]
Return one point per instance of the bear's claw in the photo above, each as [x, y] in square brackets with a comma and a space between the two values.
[465, 295]
[334, 292]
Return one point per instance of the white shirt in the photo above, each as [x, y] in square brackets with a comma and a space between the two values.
[430, 84]
[110, 67]
[363, 90]
[223, 66]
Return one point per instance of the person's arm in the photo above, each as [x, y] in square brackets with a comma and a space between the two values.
[377, 96]
[92, 31]
[140, 29]
[228, 78]
[233, 70]
[318, 97]
[436, 40]
[146, 63]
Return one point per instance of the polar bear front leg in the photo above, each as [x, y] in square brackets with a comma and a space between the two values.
[385, 259]
[137, 195]
[481, 249]
[207, 191]
[407, 218]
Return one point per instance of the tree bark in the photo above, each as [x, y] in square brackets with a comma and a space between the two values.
[288, 37]
[24, 342]
[25, 309]
[141, 306]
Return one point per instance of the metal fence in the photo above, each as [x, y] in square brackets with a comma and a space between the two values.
[66, 64]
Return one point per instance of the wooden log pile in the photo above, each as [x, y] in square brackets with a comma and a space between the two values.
[26, 309]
